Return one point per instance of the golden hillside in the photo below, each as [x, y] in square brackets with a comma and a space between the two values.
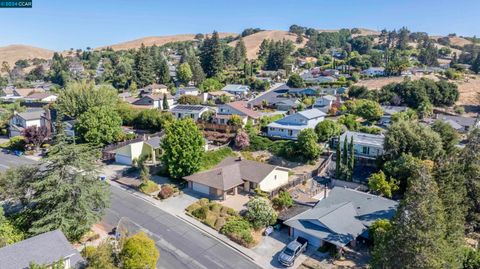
[252, 42]
[157, 40]
[13, 53]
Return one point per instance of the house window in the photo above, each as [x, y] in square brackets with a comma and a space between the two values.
[290, 132]
[366, 150]
[192, 116]
[275, 177]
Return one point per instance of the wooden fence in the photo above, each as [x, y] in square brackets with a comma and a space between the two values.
[224, 128]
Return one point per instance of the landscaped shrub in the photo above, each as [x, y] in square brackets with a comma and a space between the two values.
[166, 191]
[239, 231]
[148, 187]
[203, 201]
[192, 207]
[283, 200]
[15, 143]
[260, 212]
[215, 207]
[219, 223]
[210, 219]
[201, 213]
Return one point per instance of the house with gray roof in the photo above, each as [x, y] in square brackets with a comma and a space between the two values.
[341, 217]
[368, 146]
[237, 89]
[388, 112]
[32, 117]
[461, 124]
[44, 249]
[290, 126]
[234, 175]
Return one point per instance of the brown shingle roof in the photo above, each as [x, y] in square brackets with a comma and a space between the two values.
[242, 107]
[232, 172]
[23, 92]
[39, 95]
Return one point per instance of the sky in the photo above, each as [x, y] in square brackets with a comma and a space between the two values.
[65, 24]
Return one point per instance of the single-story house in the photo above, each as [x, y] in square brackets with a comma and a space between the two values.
[154, 89]
[235, 174]
[290, 126]
[44, 249]
[189, 111]
[374, 71]
[388, 111]
[303, 91]
[214, 96]
[41, 97]
[286, 104]
[461, 124]
[237, 89]
[33, 117]
[341, 217]
[187, 91]
[24, 92]
[150, 147]
[365, 145]
[332, 91]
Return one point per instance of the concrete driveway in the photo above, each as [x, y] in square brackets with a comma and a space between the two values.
[270, 247]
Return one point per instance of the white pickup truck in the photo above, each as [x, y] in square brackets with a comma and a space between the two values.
[292, 251]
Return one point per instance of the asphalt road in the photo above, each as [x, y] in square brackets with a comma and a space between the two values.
[180, 244]
[10, 160]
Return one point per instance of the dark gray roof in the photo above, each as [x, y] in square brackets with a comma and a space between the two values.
[343, 215]
[154, 142]
[363, 138]
[188, 108]
[43, 249]
[32, 115]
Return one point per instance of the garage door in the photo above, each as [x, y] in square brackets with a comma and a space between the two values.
[123, 159]
[201, 188]
[312, 241]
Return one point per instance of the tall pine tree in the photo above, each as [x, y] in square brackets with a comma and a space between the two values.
[144, 74]
[212, 55]
[240, 53]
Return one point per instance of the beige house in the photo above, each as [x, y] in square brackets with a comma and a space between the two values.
[138, 150]
[234, 175]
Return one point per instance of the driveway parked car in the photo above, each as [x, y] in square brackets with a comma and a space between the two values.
[292, 251]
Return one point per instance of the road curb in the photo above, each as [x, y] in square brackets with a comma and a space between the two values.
[139, 195]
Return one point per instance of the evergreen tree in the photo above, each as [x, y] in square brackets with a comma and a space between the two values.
[417, 237]
[212, 55]
[264, 50]
[240, 53]
[338, 161]
[64, 191]
[345, 152]
[470, 168]
[476, 64]
[198, 76]
[351, 158]
[162, 71]
[184, 73]
[165, 105]
[144, 71]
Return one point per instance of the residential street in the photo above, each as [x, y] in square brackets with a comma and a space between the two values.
[181, 245]
[10, 160]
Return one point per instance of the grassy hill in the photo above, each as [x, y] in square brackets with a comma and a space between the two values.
[157, 40]
[13, 53]
[252, 42]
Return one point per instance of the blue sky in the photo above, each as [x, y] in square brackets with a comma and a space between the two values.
[60, 24]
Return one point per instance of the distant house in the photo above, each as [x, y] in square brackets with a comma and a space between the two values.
[154, 101]
[7, 92]
[388, 111]
[154, 89]
[41, 97]
[44, 249]
[138, 150]
[325, 101]
[332, 91]
[235, 175]
[365, 145]
[187, 91]
[20, 121]
[341, 218]
[374, 71]
[286, 104]
[189, 111]
[215, 96]
[290, 126]
[239, 108]
[461, 124]
[236, 89]
[303, 91]
[24, 92]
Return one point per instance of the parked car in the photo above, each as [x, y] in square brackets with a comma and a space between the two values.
[292, 251]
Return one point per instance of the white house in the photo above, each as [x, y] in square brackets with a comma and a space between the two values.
[236, 89]
[189, 111]
[235, 174]
[20, 121]
[374, 71]
[365, 145]
[290, 126]
[325, 101]
[186, 91]
[138, 150]
[154, 101]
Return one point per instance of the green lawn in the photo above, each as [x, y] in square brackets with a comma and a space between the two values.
[212, 158]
